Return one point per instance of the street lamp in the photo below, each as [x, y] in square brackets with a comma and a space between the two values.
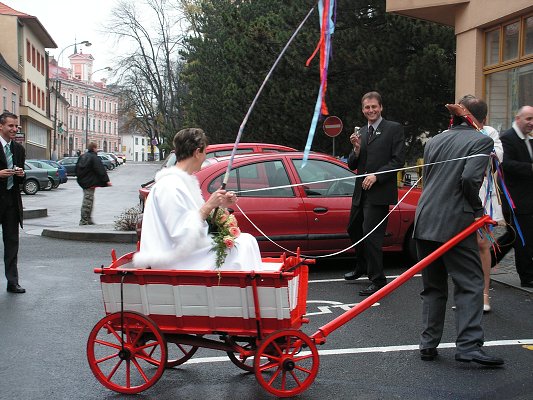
[87, 105]
[58, 89]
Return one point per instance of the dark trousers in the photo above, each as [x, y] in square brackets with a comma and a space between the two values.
[363, 219]
[464, 266]
[524, 254]
[9, 216]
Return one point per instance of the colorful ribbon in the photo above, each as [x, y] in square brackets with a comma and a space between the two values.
[327, 15]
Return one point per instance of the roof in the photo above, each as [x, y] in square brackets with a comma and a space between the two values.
[33, 23]
[9, 70]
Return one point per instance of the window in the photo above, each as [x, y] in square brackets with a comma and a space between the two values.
[76, 122]
[28, 51]
[38, 97]
[317, 170]
[28, 94]
[252, 180]
[136, 141]
[42, 65]
[510, 42]
[33, 56]
[38, 61]
[508, 70]
[528, 40]
[13, 103]
[4, 99]
[42, 101]
[33, 94]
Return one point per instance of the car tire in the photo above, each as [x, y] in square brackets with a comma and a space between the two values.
[30, 186]
[55, 184]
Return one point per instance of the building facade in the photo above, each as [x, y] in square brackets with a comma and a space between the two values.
[92, 113]
[494, 49]
[22, 46]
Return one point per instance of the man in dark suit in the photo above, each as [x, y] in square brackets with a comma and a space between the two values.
[12, 157]
[450, 203]
[518, 175]
[379, 147]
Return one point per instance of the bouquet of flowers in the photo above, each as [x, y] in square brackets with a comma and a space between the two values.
[224, 229]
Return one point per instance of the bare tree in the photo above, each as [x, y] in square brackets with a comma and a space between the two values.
[150, 31]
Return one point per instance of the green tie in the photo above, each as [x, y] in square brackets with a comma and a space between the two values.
[9, 158]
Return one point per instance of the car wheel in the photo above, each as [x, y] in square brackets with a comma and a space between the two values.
[31, 186]
[55, 184]
[49, 185]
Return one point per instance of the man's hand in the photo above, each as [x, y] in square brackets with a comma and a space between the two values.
[6, 173]
[355, 140]
[369, 181]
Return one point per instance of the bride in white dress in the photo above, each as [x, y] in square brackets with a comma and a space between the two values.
[175, 231]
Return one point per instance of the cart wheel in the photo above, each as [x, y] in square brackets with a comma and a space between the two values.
[243, 362]
[123, 357]
[182, 354]
[289, 371]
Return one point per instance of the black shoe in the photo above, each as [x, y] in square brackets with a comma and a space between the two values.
[373, 288]
[480, 357]
[428, 354]
[350, 276]
[523, 284]
[15, 288]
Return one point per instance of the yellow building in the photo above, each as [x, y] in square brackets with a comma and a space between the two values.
[494, 49]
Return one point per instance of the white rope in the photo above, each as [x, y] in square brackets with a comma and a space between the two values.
[339, 179]
[340, 251]
[358, 176]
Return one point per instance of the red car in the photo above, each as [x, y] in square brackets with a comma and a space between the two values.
[312, 216]
[225, 149]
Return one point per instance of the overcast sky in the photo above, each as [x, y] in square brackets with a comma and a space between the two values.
[68, 21]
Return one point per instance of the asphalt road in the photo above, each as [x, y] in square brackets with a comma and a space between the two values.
[375, 356]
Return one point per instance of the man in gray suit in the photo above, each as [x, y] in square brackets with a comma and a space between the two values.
[449, 203]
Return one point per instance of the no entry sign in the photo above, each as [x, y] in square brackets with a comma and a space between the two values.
[332, 126]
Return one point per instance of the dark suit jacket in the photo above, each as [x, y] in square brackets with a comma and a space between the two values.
[19, 157]
[385, 151]
[450, 198]
[518, 171]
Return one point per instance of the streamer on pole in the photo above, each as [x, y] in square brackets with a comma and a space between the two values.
[245, 120]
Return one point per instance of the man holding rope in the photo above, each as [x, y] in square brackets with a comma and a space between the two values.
[380, 147]
[449, 203]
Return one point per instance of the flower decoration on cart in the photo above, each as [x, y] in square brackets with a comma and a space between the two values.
[224, 229]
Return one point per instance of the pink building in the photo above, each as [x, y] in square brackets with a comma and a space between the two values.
[93, 108]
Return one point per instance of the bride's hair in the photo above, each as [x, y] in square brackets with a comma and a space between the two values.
[187, 141]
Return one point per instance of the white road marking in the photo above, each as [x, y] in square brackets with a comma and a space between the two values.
[380, 349]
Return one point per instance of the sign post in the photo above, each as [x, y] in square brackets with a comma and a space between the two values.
[332, 127]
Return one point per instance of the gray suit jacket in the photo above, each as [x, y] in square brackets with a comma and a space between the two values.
[450, 198]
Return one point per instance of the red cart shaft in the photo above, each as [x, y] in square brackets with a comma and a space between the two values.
[320, 336]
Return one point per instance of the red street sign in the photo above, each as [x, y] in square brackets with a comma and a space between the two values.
[332, 126]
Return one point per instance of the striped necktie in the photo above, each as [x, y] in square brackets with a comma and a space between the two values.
[9, 158]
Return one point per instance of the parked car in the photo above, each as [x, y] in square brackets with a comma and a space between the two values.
[225, 149]
[110, 157]
[63, 178]
[70, 164]
[53, 172]
[108, 163]
[122, 157]
[312, 216]
[35, 179]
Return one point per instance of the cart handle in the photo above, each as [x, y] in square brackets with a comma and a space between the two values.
[320, 336]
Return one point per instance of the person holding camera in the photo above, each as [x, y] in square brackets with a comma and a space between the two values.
[12, 158]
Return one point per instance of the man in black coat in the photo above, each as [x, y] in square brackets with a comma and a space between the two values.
[90, 174]
[379, 147]
[12, 158]
[518, 175]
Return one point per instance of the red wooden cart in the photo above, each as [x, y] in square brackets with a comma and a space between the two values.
[253, 316]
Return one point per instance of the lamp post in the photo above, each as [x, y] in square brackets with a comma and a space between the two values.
[87, 103]
[58, 90]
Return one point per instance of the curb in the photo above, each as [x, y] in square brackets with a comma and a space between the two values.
[29, 213]
[91, 235]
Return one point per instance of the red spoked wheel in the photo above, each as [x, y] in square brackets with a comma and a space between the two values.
[127, 353]
[289, 370]
[180, 354]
